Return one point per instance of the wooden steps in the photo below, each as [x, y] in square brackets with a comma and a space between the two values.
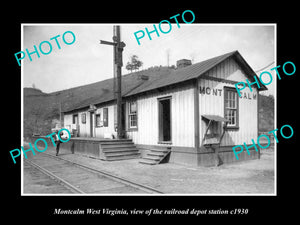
[112, 150]
[155, 156]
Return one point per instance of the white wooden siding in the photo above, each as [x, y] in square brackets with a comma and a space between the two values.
[214, 104]
[182, 122]
[85, 128]
[100, 131]
[68, 119]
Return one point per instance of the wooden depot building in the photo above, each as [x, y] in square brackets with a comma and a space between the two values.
[188, 115]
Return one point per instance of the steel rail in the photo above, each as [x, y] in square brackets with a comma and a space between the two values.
[52, 175]
[111, 176]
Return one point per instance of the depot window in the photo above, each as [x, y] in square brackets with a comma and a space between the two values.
[98, 120]
[105, 117]
[132, 114]
[83, 118]
[231, 107]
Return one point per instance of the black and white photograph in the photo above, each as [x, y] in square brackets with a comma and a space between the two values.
[127, 111]
[148, 109]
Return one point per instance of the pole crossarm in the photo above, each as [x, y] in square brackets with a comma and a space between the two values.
[108, 43]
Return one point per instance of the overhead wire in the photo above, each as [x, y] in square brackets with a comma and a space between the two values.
[264, 67]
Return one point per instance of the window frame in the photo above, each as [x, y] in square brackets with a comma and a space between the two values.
[105, 117]
[83, 118]
[98, 115]
[130, 114]
[236, 108]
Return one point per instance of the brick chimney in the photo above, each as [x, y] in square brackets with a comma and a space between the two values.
[183, 63]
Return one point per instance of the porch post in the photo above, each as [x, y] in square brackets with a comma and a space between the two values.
[196, 115]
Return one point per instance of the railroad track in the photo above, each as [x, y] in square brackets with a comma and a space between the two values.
[83, 179]
[46, 182]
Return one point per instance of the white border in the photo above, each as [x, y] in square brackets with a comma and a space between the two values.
[22, 111]
[275, 112]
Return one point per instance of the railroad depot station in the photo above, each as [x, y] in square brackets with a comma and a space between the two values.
[190, 115]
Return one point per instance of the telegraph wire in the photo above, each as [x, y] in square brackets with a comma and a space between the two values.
[265, 67]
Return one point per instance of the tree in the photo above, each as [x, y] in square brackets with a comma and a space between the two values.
[134, 63]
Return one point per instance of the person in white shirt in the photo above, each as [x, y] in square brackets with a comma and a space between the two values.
[57, 142]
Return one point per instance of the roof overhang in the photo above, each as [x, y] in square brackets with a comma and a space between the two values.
[215, 118]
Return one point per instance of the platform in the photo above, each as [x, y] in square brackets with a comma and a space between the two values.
[104, 149]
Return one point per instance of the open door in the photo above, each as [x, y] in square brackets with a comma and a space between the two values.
[76, 122]
[92, 124]
[164, 120]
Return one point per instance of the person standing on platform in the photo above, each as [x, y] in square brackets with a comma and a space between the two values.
[57, 142]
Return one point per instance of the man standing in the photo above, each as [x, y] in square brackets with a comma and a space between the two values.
[57, 142]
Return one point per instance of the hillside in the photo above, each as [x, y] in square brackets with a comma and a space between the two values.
[39, 111]
[42, 110]
[266, 113]
[33, 92]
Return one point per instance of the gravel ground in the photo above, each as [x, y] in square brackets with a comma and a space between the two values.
[245, 177]
[36, 182]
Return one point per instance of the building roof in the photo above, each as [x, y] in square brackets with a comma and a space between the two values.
[134, 83]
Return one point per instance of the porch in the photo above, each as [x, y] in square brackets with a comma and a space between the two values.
[99, 148]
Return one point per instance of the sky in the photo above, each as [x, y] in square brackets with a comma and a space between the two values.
[87, 61]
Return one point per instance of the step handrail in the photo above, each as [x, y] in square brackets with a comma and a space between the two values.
[165, 155]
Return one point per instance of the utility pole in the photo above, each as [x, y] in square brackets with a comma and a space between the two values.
[118, 63]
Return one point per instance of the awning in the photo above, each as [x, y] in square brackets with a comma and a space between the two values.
[215, 118]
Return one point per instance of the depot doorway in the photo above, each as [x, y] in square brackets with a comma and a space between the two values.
[92, 122]
[164, 120]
